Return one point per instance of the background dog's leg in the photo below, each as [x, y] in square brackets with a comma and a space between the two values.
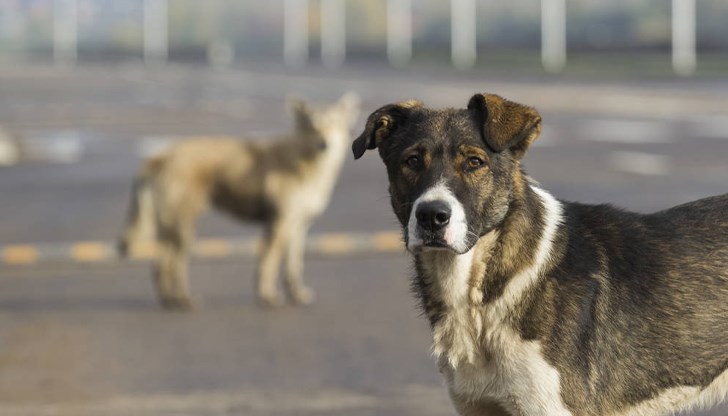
[140, 220]
[298, 291]
[171, 271]
[274, 241]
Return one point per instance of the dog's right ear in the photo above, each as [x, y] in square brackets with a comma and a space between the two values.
[381, 124]
[506, 124]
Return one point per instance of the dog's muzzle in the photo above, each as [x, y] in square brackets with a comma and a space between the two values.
[432, 220]
[437, 221]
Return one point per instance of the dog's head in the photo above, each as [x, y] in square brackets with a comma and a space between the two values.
[451, 171]
[329, 123]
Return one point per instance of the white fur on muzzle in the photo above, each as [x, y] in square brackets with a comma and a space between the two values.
[454, 233]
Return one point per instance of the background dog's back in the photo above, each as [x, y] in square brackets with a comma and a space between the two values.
[180, 182]
[228, 173]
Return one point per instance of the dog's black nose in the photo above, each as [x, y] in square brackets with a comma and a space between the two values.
[433, 216]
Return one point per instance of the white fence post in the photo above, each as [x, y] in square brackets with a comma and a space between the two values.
[399, 32]
[155, 31]
[65, 32]
[295, 32]
[333, 32]
[463, 34]
[553, 35]
[684, 59]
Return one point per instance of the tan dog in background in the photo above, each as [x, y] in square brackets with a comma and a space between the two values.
[284, 184]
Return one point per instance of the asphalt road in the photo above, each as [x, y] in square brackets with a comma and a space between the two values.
[90, 340]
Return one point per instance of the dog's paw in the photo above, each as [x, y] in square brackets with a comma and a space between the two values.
[178, 304]
[303, 296]
[274, 300]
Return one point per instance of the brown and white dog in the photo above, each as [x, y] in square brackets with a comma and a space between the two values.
[545, 307]
[284, 184]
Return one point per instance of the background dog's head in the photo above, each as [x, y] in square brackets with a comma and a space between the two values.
[325, 123]
[452, 172]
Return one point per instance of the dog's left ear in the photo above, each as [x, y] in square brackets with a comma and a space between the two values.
[301, 113]
[381, 124]
[505, 124]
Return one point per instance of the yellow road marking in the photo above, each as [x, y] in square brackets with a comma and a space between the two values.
[213, 248]
[388, 241]
[20, 254]
[335, 243]
[89, 251]
[99, 251]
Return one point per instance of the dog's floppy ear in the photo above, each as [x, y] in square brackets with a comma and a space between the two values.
[505, 124]
[381, 124]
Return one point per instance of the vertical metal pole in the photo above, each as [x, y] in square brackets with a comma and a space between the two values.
[65, 32]
[155, 31]
[399, 32]
[684, 59]
[333, 32]
[553, 35]
[463, 35]
[295, 32]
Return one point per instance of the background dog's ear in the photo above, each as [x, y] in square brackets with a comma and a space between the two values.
[301, 113]
[505, 124]
[381, 124]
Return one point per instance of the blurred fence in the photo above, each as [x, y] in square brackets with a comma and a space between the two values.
[294, 30]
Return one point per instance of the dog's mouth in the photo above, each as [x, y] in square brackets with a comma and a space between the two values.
[436, 244]
[437, 221]
[426, 241]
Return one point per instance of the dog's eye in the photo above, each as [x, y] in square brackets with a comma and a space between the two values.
[413, 162]
[473, 163]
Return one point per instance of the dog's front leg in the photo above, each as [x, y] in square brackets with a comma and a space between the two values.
[275, 239]
[170, 277]
[298, 291]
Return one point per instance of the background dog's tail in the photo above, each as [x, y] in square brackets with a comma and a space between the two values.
[141, 221]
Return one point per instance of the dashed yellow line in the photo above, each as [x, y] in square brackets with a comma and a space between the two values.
[89, 251]
[332, 244]
[20, 254]
[213, 248]
[388, 241]
[335, 244]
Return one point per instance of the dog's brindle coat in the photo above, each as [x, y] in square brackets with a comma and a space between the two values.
[545, 307]
[284, 184]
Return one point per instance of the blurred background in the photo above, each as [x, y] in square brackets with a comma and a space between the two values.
[634, 96]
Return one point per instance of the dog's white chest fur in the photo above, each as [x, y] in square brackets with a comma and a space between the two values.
[481, 355]
[512, 372]
[483, 358]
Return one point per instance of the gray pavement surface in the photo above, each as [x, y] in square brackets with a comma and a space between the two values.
[90, 340]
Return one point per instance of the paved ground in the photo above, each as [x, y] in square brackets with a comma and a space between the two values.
[90, 340]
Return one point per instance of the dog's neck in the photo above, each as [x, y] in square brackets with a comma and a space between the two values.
[524, 237]
[468, 296]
